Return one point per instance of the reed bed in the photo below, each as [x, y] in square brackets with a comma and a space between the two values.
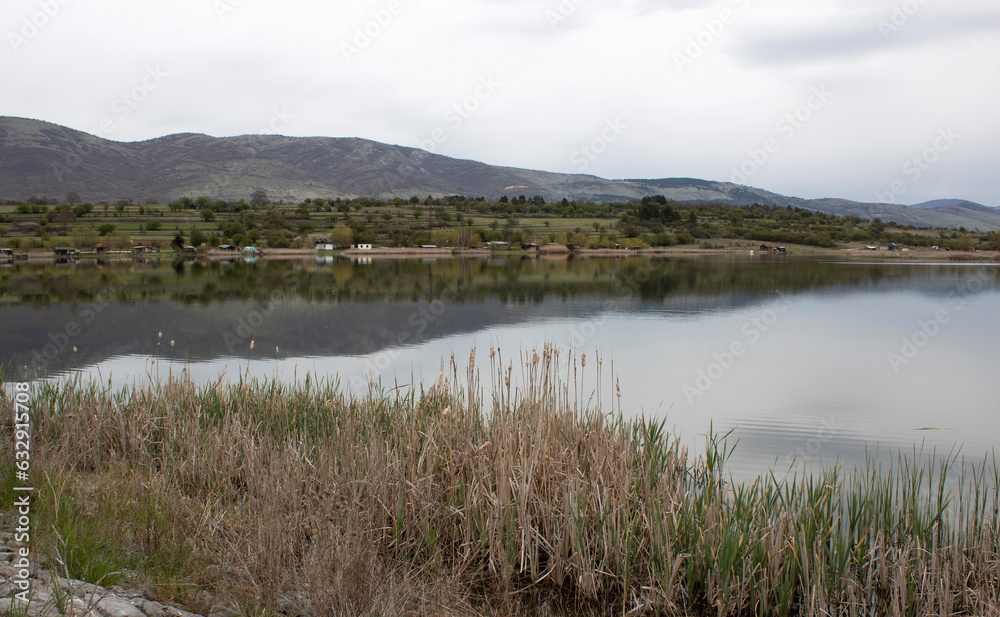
[305, 499]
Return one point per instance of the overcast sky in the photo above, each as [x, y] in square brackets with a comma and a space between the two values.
[818, 98]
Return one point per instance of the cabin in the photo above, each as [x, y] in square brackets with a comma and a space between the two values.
[62, 251]
[138, 251]
[889, 246]
[529, 246]
[6, 252]
[770, 248]
[323, 244]
[362, 247]
[497, 244]
[229, 248]
[100, 249]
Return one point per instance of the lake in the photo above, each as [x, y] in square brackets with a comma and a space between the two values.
[807, 359]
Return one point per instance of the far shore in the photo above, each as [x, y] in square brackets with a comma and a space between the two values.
[733, 248]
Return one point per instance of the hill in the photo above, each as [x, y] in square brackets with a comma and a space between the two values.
[41, 158]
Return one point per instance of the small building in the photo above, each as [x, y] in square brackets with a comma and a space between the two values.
[229, 248]
[62, 251]
[889, 246]
[139, 250]
[323, 244]
[6, 252]
[428, 246]
[497, 244]
[100, 249]
[362, 247]
[529, 246]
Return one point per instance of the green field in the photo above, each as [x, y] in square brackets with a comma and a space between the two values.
[451, 222]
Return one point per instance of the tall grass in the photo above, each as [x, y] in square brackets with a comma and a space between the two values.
[443, 500]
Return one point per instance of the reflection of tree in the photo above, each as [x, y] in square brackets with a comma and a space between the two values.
[459, 280]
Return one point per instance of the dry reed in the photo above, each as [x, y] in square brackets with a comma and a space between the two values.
[308, 500]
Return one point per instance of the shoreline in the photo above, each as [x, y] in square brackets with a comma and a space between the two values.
[438, 253]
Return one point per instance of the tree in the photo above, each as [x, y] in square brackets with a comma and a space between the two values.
[106, 228]
[198, 237]
[343, 236]
[177, 242]
[72, 198]
[259, 198]
[208, 214]
[152, 225]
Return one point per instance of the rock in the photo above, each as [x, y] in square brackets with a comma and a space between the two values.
[35, 608]
[112, 606]
[150, 608]
[81, 589]
[173, 611]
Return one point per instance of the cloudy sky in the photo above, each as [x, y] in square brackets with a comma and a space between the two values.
[863, 99]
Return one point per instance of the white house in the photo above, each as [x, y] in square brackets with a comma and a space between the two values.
[362, 247]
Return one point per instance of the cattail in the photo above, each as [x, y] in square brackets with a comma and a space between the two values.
[583, 360]
[74, 348]
[251, 345]
[171, 342]
[472, 359]
[275, 349]
[492, 352]
[159, 335]
[446, 411]
[440, 379]
[534, 357]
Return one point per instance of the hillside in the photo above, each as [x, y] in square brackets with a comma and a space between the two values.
[40, 158]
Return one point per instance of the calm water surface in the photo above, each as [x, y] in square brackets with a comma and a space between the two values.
[802, 359]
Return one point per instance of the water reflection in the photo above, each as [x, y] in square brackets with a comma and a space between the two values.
[795, 355]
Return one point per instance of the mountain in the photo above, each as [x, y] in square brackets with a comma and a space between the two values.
[40, 158]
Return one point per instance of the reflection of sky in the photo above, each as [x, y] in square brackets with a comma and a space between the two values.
[817, 380]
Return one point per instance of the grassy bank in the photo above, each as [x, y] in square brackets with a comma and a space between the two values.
[446, 501]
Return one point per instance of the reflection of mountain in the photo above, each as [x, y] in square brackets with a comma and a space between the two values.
[215, 310]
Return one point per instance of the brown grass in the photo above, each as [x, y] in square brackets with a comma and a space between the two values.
[306, 500]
